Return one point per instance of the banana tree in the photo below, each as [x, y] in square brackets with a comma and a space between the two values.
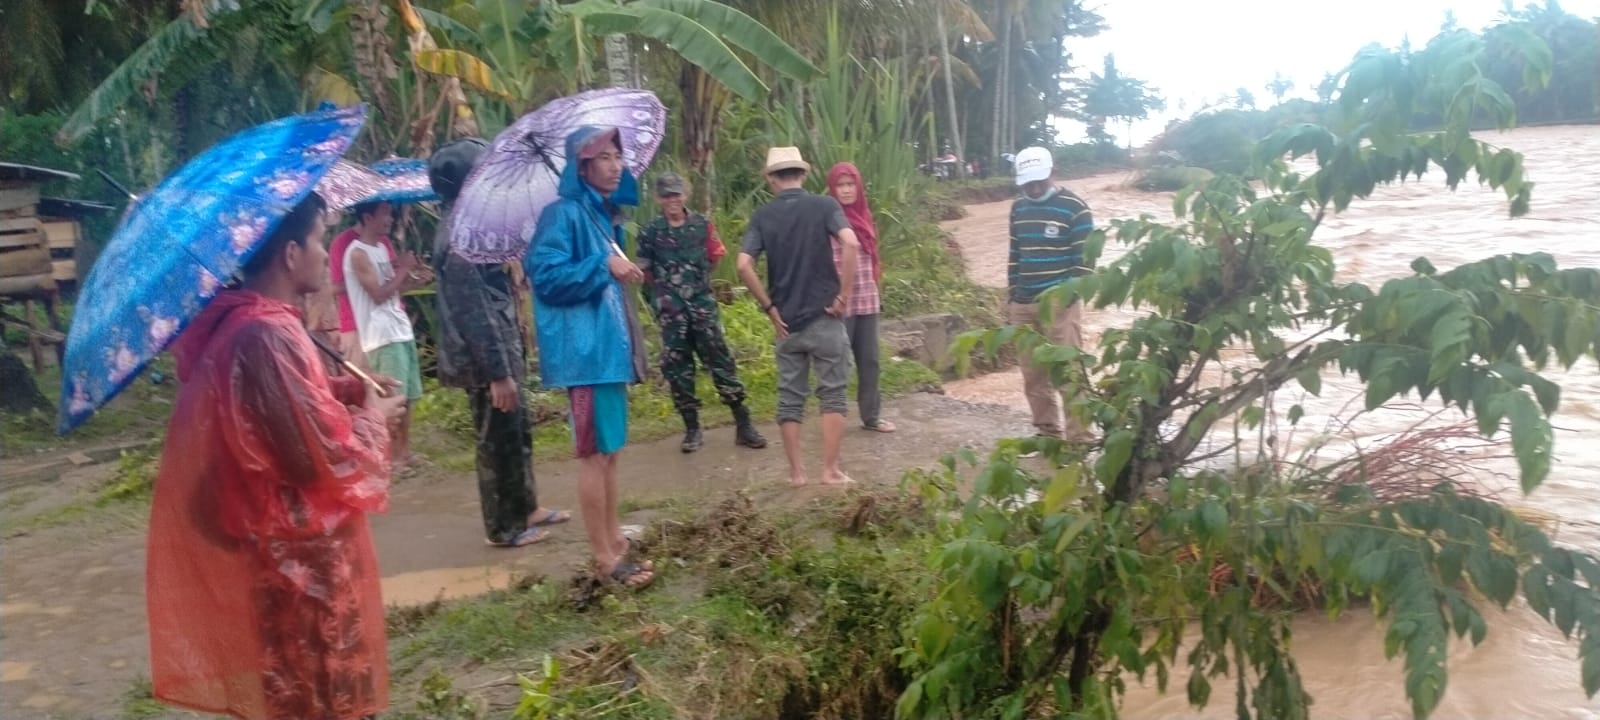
[519, 45]
[192, 36]
[332, 41]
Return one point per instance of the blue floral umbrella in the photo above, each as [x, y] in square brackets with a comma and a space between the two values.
[179, 243]
[405, 180]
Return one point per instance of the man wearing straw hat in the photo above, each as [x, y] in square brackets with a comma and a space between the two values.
[796, 231]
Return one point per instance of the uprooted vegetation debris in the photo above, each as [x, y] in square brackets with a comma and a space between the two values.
[754, 614]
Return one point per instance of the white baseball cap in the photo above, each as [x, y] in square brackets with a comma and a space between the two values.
[1032, 164]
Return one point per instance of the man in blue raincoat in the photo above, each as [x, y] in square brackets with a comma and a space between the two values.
[590, 340]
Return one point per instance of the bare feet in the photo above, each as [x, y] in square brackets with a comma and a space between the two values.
[836, 477]
[797, 477]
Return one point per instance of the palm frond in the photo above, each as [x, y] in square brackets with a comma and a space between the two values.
[143, 65]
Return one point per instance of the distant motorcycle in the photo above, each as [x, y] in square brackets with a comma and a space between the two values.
[942, 167]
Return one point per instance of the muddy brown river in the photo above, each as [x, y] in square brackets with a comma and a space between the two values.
[1524, 668]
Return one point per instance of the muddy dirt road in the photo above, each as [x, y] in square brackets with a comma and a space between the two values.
[72, 623]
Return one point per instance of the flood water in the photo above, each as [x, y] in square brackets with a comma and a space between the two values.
[1524, 669]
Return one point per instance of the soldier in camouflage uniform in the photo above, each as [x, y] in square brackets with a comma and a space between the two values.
[677, 251]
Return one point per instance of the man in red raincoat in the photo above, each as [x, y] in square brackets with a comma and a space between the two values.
[262, 587]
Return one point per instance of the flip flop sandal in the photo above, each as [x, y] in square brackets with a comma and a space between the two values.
[553, 517]
[883, 426]
[525, 538]
[630, 549]
[626, 570]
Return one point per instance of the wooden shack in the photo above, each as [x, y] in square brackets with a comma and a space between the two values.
[41, 241]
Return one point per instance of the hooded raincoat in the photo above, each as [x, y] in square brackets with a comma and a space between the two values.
[261, 583]
[589, 332]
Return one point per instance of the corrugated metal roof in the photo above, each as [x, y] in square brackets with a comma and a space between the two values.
[67, 207]
[25, 173]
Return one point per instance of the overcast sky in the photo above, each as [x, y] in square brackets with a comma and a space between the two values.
[1195, 51]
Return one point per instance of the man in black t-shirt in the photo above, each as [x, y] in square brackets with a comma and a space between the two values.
[796, 231]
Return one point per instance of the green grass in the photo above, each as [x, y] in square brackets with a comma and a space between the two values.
[139, 702]
[124, 499]
[140, 411]
[13, 501]
[753, 614]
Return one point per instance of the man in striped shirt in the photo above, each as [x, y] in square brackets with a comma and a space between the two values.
[1048, 227]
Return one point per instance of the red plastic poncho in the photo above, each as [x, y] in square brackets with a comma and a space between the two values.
[262, 584]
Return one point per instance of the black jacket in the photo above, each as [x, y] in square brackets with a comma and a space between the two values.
[478, 339]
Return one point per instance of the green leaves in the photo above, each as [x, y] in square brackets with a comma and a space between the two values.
[701, 31]
[1536, 55]
[1238, 274]
[1373, 568]
[1494, 574]
[933, 635]
[177, 38]
[1063, 489]
[684, 34]
[1296, 141]
[743, 32]
[1530, 439]
[1464, 334]
[1211, 521]
[1118, 450]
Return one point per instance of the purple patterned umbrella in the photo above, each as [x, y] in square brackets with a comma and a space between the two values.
[500, 202]
[395, 180]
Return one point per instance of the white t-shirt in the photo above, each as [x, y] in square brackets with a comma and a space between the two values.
[377, 325]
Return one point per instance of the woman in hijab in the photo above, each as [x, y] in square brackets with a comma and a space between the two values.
[861, 317]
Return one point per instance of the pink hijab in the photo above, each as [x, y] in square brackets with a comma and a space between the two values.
[859, 214]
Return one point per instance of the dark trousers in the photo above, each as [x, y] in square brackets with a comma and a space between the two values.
[863, 331]
[505, 466]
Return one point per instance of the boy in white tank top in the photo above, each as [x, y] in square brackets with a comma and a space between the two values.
[374, 281]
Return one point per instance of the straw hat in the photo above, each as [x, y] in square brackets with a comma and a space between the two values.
[784, 158]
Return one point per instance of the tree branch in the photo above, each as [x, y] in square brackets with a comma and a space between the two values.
[1175, 453]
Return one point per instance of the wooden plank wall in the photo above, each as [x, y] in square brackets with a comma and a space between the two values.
[24, 249]
[63, 236]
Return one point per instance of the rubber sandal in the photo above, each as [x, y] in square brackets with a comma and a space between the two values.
[883, 426]
[553, 517]
[525, 538]
[626, 570]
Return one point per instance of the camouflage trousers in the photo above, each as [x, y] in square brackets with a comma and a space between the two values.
[697, 331]
[505, 466]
